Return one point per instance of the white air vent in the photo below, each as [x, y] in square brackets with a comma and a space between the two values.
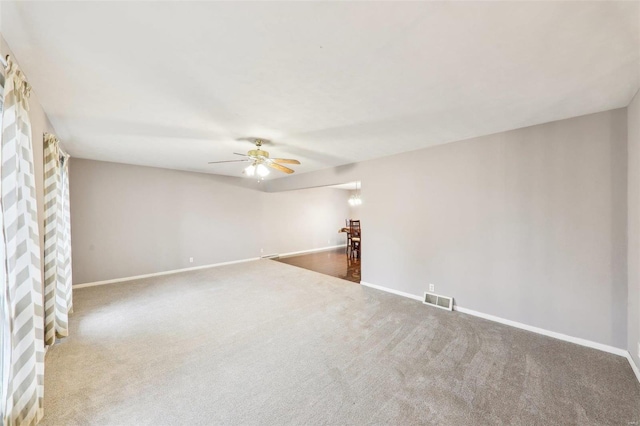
[442, 302]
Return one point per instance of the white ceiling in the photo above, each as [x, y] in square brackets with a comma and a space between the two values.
[175, 84]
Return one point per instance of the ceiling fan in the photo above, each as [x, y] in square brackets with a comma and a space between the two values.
[260, 160]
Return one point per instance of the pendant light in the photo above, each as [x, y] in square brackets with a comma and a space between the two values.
[355, 199]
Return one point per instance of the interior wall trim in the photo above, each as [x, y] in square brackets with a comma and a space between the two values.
[157, 274]
[311, 250]
[392, 291]
[634, 367]
[195, 268]
[555, 335]
[577, 340]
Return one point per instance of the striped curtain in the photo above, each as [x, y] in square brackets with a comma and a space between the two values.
[57, 242]
[22, 323]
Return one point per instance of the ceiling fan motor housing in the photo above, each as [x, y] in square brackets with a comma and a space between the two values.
[258, 153]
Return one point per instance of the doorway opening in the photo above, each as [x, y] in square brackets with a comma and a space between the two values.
[343, 220]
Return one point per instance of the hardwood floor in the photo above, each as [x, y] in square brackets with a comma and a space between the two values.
[333, 262]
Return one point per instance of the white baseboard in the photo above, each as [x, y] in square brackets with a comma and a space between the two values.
[577, 340]
[311, 251]
[560, 336]
[634, 367]
[195, 268]
[157, 274]
[390, 290]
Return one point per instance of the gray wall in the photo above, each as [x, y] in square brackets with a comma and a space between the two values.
[303, 219]
[131, 220]
[633, 114]
[528, 225]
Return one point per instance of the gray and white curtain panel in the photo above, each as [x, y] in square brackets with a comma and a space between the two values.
[57, 241]
[22, 322]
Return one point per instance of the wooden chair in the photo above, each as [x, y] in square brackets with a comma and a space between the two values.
[348, 227]
[355, 237]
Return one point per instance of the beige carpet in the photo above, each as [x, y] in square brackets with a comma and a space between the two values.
[268, 343]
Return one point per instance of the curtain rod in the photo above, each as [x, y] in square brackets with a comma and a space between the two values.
[65, 153]
[3, 61]
[59, 143]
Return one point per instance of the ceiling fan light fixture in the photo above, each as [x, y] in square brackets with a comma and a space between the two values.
[262, 170]
[250, 170]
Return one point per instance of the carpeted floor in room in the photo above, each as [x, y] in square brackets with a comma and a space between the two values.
[271, 344]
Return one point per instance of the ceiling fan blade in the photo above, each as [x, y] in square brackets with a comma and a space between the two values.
[244, 155]
[229, 161]
[279, 167]
[285, 160]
